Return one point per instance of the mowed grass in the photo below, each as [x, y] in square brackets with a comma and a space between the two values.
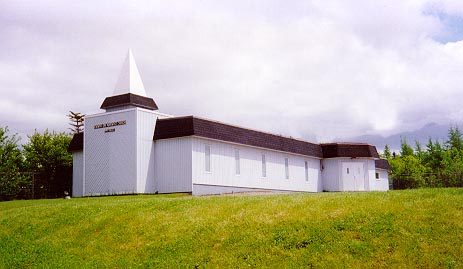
[413, 228]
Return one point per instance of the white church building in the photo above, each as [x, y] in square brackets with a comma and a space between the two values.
[133, 148]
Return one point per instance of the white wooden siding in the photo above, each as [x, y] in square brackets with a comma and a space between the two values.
[77, 173]
[110, 159]
[112, 109]
[353, 176]
[223, 171]
[333, 171]
[370, 175]
[199, 189]
[172, 165]
[331, 175]
[381, 184]
[146, 121]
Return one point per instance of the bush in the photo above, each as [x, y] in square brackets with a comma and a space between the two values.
[46, 153]
[11, 162]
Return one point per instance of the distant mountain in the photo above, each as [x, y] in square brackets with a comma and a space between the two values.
[432, 130]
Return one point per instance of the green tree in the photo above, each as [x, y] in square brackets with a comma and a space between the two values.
[11, 162]
[47, 153]
[405, 148]
[453, 159]
[407, 172]
[419, 152]
[77, 122]
[387, 152]
[433, 161]
[439, 165]
[455, 140]
[434, 156]
[452, 174]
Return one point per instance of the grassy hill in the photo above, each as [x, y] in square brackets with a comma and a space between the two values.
[416, 228]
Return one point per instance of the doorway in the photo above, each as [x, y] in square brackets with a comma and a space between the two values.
[352, 176]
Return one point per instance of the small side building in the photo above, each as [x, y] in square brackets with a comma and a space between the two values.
[381, 182]
[349, 167]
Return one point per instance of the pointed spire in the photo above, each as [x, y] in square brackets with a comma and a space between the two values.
[129, 91]
[129, 79]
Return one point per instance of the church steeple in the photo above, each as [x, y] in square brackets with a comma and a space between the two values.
[129, 90]
[129, 79]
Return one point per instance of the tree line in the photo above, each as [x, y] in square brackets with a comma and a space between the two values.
[41, 168]
[434, 165]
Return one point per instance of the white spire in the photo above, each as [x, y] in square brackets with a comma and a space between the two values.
[129, 79]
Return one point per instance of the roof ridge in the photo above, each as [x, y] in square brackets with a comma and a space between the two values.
[347, 143]
[242, 127]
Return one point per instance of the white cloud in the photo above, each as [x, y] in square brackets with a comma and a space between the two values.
[308, 69]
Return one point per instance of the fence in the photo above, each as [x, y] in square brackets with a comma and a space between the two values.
[409, 181]
[35, 185]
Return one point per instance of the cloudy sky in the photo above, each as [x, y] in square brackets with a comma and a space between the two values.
[311, 69]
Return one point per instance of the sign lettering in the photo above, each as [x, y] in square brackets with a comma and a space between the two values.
[109, 124]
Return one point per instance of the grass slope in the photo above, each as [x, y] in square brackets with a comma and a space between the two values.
[416, 228]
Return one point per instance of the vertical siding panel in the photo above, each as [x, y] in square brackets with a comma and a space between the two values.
[331, 174]
[121, 161]
[77, 174]
[223, 167]
[110, 158]
[172, 165]
[383, 182]
[146, 121]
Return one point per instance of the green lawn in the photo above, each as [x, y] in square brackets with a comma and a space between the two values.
[415, 228]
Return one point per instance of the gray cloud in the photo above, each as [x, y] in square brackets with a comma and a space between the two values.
[298, 68]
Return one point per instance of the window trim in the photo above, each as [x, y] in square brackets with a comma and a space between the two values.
[286, 168]
[263, 165]
[207, 159]
[306, 170]
[237, 162]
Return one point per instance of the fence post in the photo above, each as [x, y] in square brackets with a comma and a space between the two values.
[33, 185]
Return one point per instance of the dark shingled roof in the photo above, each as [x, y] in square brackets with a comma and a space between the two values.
[352, 150]
[129, 99]
[77, 142]
[382, 164]
[186, 126]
